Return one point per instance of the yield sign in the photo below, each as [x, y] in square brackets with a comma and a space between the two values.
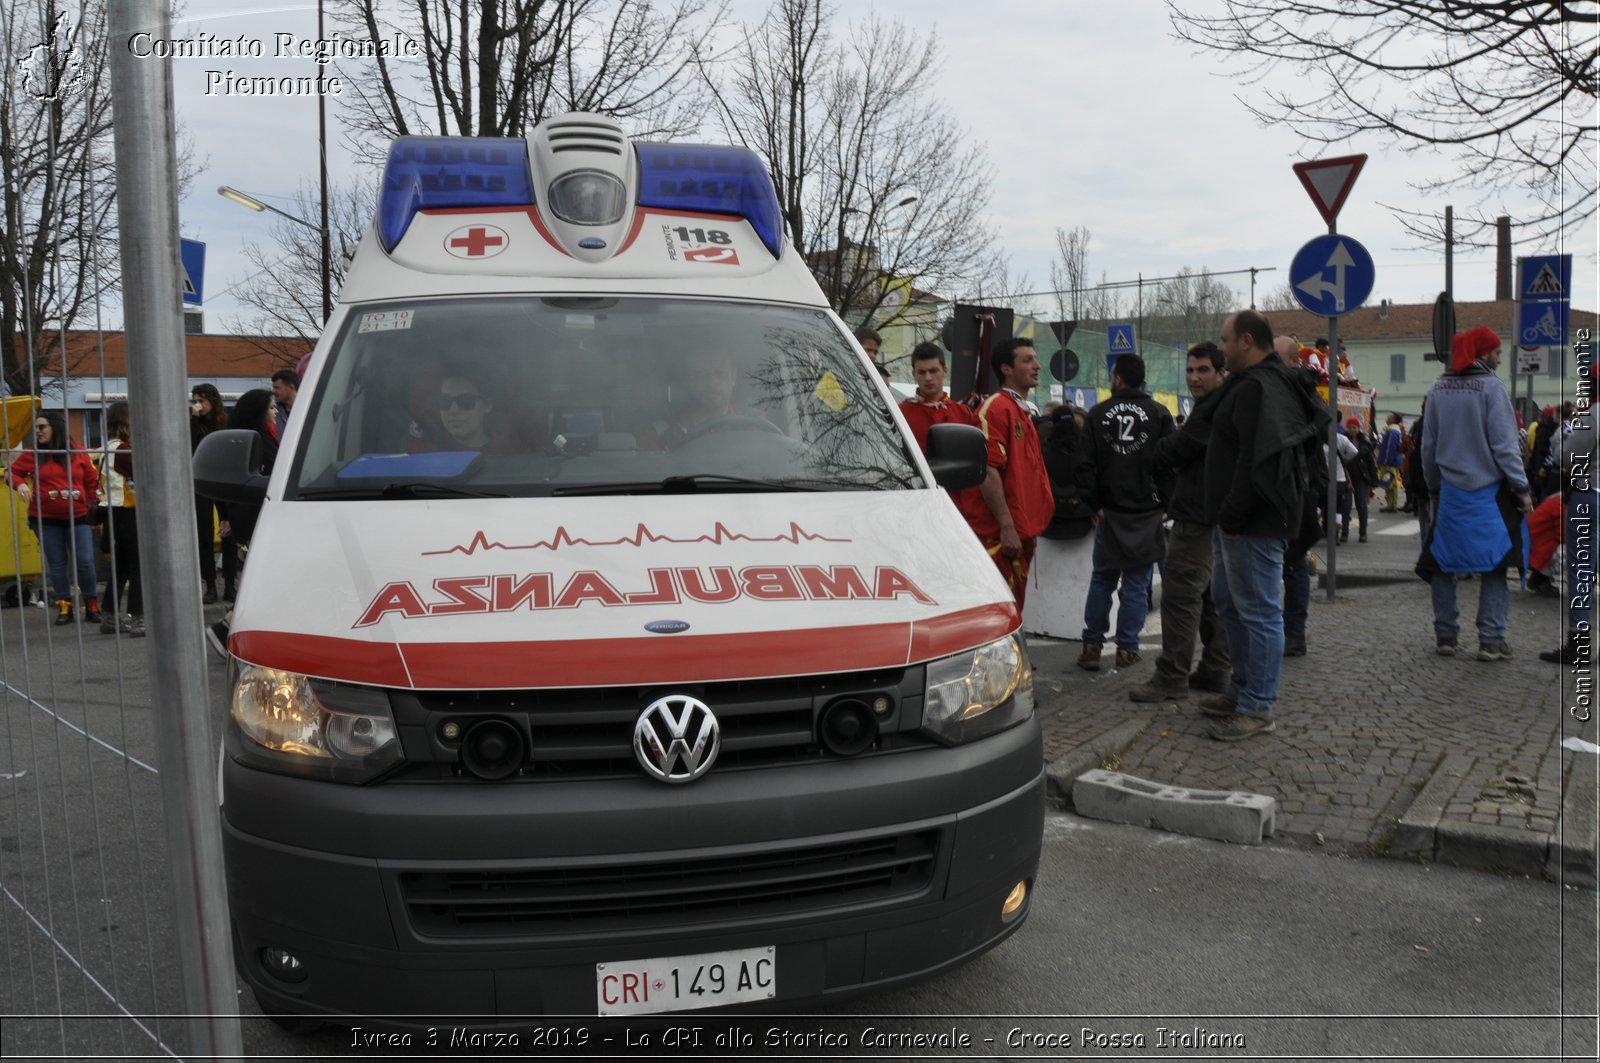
[1329, 181]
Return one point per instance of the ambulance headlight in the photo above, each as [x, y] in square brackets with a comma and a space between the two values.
[289, 723]
[587, 197]
[978, 692]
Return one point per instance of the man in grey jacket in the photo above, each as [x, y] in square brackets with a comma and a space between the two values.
[1472, 461]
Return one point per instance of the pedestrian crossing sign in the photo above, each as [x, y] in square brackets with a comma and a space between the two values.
[1544, 278]
[1119, 338]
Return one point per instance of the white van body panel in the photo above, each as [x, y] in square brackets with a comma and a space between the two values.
[559, 592]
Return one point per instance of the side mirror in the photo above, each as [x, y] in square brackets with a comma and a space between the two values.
[958, 454]
[227, 467]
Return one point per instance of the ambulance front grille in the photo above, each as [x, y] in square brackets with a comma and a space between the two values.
[588, 734]
[554, 900]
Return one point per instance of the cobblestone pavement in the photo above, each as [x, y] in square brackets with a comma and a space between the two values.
[1364, 718]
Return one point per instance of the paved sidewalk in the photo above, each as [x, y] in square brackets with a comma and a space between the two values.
[1382, 746]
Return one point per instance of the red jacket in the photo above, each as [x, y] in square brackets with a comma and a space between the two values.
[1014, 451]
[58, 493]
[1544, 531]
[922, 416]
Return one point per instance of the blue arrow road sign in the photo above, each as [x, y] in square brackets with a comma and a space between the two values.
[1541, 324]
[193, 255]
[1544, 278]
[1332, 275]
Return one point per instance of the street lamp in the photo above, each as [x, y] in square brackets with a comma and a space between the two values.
[251, 202]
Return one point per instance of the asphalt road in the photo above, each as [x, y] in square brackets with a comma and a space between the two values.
[1291, 952]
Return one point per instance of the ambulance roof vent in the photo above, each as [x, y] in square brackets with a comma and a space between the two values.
[434, 173]
[583, 132]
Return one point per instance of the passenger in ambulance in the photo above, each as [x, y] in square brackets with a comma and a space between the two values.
[466, 414]
[701, 402]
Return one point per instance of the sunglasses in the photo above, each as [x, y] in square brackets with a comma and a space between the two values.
[468, 401]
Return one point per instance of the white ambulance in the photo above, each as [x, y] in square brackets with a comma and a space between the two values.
[607, 646]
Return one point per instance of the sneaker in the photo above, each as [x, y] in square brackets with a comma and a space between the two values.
[133, 627]
[1127, 658]
[1219, 706]
[1154, 691]
[108, 624]
[1362, 538]
[92, 614]
[217, 635]
[1089, 659]
[1238, 727]
[1294, 645]
[63, 612]
[228, 593]
[1215, 684]
[210, 596]
[1494, 651]
[1445, 648]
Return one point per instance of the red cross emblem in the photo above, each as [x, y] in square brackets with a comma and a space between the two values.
[477, 241]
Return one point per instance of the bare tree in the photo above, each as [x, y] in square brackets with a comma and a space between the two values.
[284, 291]
[496, 68]
[1509, 85]
[874, 179]
[1279, 298]
[57, 228]
[1069, 271]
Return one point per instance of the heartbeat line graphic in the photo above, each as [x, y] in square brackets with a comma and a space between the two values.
[641, 535]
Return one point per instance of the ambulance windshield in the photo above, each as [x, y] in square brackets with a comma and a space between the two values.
[555, 396]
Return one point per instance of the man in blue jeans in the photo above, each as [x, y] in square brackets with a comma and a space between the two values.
[1472, 460]
[1267, 430]
[1117, 478]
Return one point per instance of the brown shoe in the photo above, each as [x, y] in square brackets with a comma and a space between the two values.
[1238, 727]
[1157, 691]
[1218, 706]
[1127, 658]
[1089, 659]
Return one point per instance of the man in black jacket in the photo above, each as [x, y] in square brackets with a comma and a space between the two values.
[1186, 608]
[1265, 433]
[1117, 477]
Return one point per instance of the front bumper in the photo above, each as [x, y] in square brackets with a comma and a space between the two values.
[348, 879]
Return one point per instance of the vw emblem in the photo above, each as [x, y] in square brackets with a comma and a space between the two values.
[676, 739]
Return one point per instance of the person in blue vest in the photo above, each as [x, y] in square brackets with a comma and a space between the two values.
[1472, 461]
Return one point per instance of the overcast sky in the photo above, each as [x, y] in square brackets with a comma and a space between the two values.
[1093, 114]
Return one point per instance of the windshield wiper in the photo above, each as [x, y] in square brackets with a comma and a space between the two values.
[690, 484]
[397, 490]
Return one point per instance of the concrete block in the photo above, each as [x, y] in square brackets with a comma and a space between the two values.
[1226, 815]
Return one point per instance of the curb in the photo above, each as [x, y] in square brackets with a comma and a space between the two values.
[1061, 774]
[1573, 844]
[1423, 832]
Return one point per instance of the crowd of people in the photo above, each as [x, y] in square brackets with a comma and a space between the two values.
[1229, 501]
[72, 493]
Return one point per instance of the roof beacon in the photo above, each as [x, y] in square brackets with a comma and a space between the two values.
[589, 180]
[436, 173]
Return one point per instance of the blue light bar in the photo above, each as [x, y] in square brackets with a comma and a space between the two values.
[714, 178]
[426, 173]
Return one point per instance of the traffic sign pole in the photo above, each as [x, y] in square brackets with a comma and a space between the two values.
[1333, 451]
[1328, 183]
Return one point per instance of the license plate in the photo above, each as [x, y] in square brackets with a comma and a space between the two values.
[685, 983]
